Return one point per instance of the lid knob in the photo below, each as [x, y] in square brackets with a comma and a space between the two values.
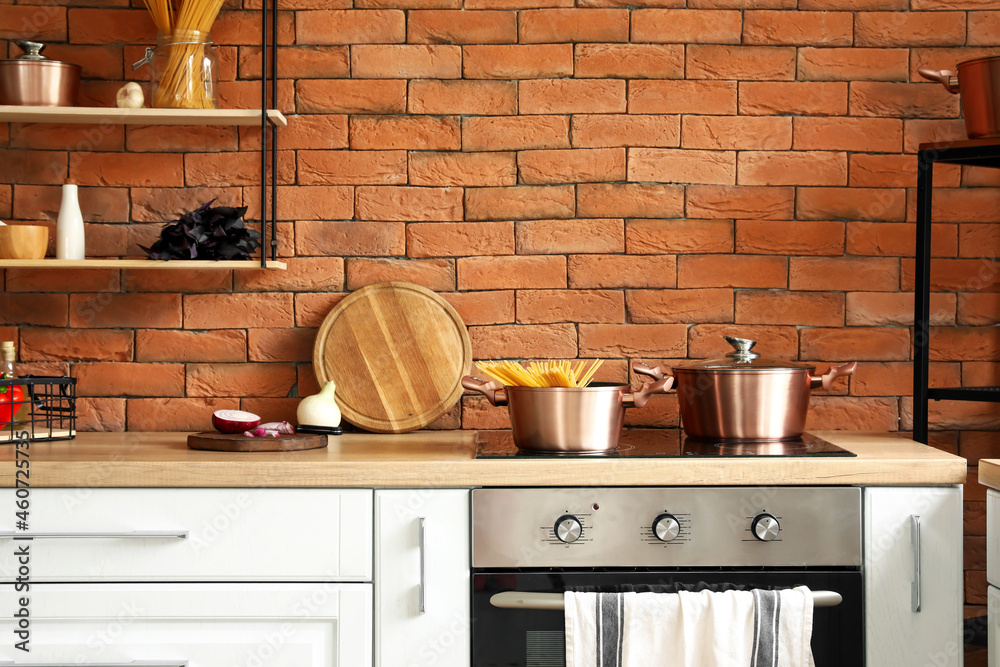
[743, 353]
[32, 50]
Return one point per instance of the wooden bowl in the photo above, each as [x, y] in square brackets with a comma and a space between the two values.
[23, 241]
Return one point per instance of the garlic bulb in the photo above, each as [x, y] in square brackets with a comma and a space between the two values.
[320, 409]
[130, 96]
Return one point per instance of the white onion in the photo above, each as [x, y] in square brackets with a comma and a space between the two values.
[320, 409]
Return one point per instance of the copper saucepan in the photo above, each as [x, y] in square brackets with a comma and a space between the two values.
[744, 397]
[978, 81]
[567, 420]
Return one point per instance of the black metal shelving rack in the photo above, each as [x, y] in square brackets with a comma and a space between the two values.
[978, 152]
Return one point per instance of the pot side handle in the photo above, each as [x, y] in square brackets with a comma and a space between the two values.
[826, 380]
[493, 392]
[945, 77]
[639, 398]
[640, 368]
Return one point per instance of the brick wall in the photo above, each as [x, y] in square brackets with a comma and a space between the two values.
[579, 181]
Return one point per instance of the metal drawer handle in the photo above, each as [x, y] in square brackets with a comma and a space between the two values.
[554, 601]
[915, 543]
[420, 542]
[134, 663]
[140, 534]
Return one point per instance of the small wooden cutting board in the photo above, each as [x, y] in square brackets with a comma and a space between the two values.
[237, 442]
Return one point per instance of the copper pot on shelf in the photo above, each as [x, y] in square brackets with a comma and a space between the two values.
[31, 79]
[978, 82]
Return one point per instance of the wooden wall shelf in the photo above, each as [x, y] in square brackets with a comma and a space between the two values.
[185, 264]
[29, 114]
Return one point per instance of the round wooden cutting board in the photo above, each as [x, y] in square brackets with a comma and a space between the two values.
[237, 442]
[397, 353]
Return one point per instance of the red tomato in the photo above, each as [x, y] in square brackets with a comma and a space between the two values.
[11, 400]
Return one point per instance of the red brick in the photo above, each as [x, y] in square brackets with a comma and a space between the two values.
[629, 200]
[311, 132]
[632, 340]
[300, 202]
[683, 166]
[491, 307]
[910, 29]
[807, 98]
[100, 204]
[811, 309]
[434, 274]
[876, 98]
[159, 138]
[962, 205]
[517, 61]
[350, 96]
[280, 344]
[631, 61]
[404, 203]
[741, 4]
[350, 237]
[352, 167]
[869, 414]
[108, 26]
[63, 280]
[573, 25]
[957, 275]
[737, 132]
[34, 167]
[755, 63]
[578, 165]
[463, 169]
[789, 237]
[100, 414]
[461, 27]
[477, 413]
[974, 309]
[463, 97]
[75, 344]
[175, 414]
[682, 97]
[850, 203]
[304, 274]
[299, 62]
[964, 344]
[350, 26]
[227, 169]
[544, 237]
[6, 200]
[895, 238]
[311, 309]
[99, 311]
[459, 239]
[856, 343]
[128, 379]
[974, 176]
[602, 130]
[851, 134]
[961, 415]
[547, 306]
[534, 341]
[721, 201]
[686, 26]
[895, 308]
[240, 27]
[498, 133]
[161, 205]
[157, 280]
[511, 272]
[227, 345]
[46, 23]
[980, 373]
[237, 311]
[411, 4]
[843, 274]
[237, 380]
[920, 131]
[679, 305]
[522, 202]
[852, 64]
[792, 168]
[554, 96]
[621, 271]
[882, 171]
[983, 26]
[409, 61]
[732, 271]
[800, 28]
[45, 136]
[894, 378]
[678, 236]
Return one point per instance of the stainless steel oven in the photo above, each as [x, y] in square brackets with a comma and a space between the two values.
[530, 545]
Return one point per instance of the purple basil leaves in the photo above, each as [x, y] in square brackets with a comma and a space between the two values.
[217, 233]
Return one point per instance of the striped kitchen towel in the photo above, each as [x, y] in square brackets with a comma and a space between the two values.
[756, 628]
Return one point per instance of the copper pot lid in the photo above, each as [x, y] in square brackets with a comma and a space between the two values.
[33, 54]
[743, 359]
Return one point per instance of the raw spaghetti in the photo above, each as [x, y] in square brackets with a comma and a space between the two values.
[540, 373]
[185, 81]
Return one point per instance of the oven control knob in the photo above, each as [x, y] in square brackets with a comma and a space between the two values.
[666, 527]
[765, 527]
[568, 528]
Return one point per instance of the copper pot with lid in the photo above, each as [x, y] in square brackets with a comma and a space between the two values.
[978, 81]
[32, 79]
[743, 396]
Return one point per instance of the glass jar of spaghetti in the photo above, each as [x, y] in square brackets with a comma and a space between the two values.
[184, 70]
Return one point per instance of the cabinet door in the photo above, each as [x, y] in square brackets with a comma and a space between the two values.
[198, 625]
[896, 558]
[433, 570]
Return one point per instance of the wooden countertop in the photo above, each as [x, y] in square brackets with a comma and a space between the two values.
[989, 472]
[446, 459]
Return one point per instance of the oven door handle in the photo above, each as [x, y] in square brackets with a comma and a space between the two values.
[554, 601]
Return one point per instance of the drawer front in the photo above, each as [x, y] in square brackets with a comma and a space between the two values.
[993, 537]
[197, 625]
[230, 535]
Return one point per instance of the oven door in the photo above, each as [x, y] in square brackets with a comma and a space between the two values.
[534, 637]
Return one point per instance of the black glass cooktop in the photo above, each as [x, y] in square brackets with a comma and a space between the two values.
[657, 443]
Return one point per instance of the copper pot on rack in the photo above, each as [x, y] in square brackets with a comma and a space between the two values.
[978, 82]
[31, 79]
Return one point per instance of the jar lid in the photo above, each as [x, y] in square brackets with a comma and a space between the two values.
[743, 359]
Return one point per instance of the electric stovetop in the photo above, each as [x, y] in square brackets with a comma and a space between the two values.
[665, 443]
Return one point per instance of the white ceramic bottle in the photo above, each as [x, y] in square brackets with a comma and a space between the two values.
[69, 227]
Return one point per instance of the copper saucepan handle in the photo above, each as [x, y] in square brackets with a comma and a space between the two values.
[638, 398]
[491, 390]
[826, 380]
[945, 77]
[645, 369]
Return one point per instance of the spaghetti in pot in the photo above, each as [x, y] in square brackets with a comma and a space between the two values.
[540, 373]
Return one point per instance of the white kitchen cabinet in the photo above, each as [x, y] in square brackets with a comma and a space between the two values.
[913, 536]
[198, 625]
[422, 578]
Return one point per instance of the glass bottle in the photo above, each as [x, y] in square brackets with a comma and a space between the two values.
[18, 407]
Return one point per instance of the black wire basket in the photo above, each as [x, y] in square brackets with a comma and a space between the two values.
[46, 410]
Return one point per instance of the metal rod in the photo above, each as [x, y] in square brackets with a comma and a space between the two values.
[135, 534]
[554, 601]
[264, 238]
[274, 131]
[922, 293]
[915, 543]
[422, 545]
